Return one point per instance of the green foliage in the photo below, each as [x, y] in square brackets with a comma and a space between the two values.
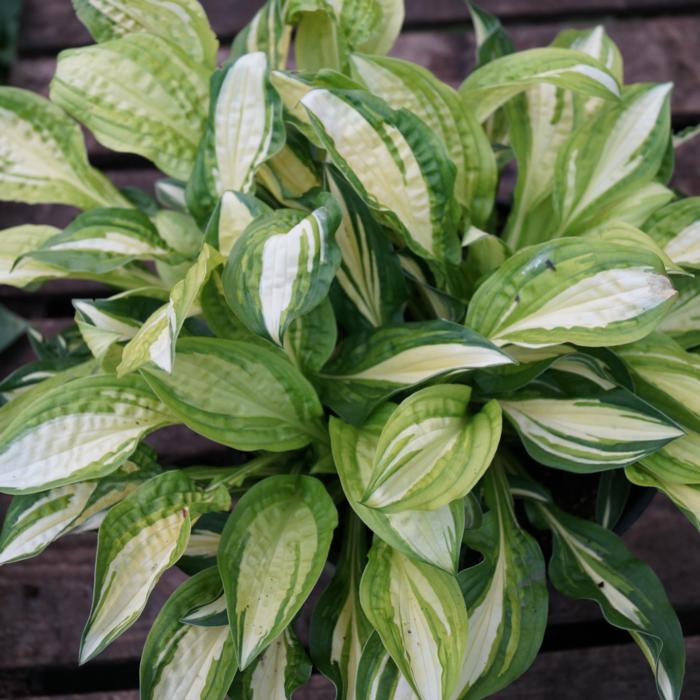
[321, 283]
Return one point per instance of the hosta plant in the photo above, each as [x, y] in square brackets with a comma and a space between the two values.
[415, 378]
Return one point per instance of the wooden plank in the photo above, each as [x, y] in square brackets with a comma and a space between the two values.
[47, 26]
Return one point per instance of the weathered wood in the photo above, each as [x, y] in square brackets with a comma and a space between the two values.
[47, 26]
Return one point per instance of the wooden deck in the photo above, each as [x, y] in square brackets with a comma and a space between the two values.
[44, 601]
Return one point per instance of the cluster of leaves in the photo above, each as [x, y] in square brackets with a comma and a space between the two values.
[324, 281]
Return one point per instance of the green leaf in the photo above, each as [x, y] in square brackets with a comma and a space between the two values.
[139, 539]
[34, 521]
[506, 595]
[222, 322]
[267, 32]
[339, 627]
[591, 562]
[370, 367]
[431, 451]
[682, 322]
[282, 267]
[183, 660]
[419, 613]
[574, 290]
[431, 536]
[496, 82]
[667, 376]
[310, 339]
[677, 462]
[103, 240]
[231, 216]
[272, 552]
[676, 228]
[156, 338]
[245, 128]
[77, 430]
[610, 156]
[149, 98]
[410, 181]
[406, 85]
[182, 22]
[378, 677]
[276, 673]
[588, 433]
[243, 394]
[14, 243]
[44, 158]
[492, 40]
[370, 26]
[11, 327]
[612, 498]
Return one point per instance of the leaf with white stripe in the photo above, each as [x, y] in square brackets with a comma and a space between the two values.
[245, 128]
[405, 85]
[420, 615]
[44, 158]
[139, 539]
[339, 627]
[676, 228]
[677, 462]
[369, 367]
[667, 376]
[369, 275]
[682, 322]
[203, 543]
[589, 561]
[155, 340]
[432, 451]
[272, 552]
[431, 536]
[282, 267]
[180, 660]
[276, 673]
[82, 429]
[232, 214]
[506, 595]
[685, 496]
[378, 677]
[183, 22]
[588, 433]
[267, 32]
[572, 290]
[493, 84]
[102, 240]
[15, 243]
[310, 339]
[242, 394]
[410, 182]
[610, 156]
[149, 98]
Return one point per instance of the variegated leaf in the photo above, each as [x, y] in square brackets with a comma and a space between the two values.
[276, 673]
[232, 214]
[139, 539]
[682, 322]
[506, 595]
[156, 338]
[610, 156]
[405, 85]
[370, 367]
[369, 274]
[588, 433]
[243, 394]
[15, 242]
[677, 462]
[310, 339]
[395, 163]
[267, 32]
[496, 82]
[420, 615]
[378, 677]
[667, 376]
[245, 128]
[81, 429]
[272, 552]
[339, 627]
[430, 536]
[572, 290]
[183, 22]
[431, 451]
[282, 267]
[44, 158]
[203, 545]
[149, 98]
[221, 320]
[589, 561]
[187, 661]
[676, 228]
